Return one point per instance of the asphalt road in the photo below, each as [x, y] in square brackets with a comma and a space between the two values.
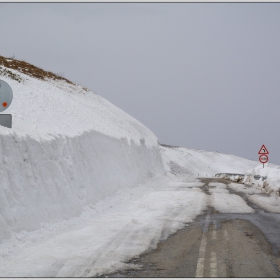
[217, 245]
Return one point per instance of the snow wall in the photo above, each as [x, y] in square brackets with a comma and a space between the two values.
[51, 180]
[68, 148]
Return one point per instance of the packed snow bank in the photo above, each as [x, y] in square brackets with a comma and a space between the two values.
[107, 234]
[199, 163]
[52, 180]
[271, 185]
[68, 148]
[112, 231]
[232, 177]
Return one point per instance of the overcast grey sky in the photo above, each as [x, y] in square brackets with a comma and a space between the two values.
[199, 75]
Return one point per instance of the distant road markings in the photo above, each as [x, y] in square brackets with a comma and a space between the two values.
[214, 231]
[213, 264]
[201, 257]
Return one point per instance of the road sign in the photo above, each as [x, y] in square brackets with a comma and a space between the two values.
[263, 150]
[6, 97]
[263, 158]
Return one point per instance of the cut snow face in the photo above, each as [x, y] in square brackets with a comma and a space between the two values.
[68, 148]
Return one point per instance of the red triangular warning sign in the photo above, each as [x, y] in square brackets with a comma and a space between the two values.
[263, 150]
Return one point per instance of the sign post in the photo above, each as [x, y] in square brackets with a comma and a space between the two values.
[263, 152]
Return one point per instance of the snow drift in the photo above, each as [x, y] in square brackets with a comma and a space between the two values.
[272, 174]
[200, 163]
[68, 148]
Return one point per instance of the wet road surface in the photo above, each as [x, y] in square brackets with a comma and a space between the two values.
[217, 245]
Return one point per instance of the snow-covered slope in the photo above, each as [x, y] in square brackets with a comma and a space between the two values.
[199, 163]
[68, 148]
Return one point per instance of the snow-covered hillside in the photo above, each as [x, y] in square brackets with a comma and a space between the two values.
[68, 148]
[199, 163]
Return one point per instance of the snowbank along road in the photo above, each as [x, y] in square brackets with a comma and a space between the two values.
[85, 187]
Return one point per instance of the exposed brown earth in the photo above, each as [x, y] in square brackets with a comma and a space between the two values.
[28, 69]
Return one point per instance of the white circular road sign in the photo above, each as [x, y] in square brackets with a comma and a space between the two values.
[6, 95]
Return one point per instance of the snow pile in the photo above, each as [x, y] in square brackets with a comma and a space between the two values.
[107, 234]
[231, 177]
[199, 163]
[68, 148]
[269, 186]
[236, 178]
